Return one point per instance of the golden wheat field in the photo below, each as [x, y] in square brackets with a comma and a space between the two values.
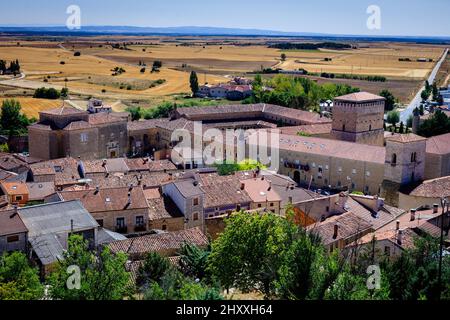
[53, 64]
[31, 107]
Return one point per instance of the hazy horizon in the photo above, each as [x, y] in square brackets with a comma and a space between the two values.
[413, 18]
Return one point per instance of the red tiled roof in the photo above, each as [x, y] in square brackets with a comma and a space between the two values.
[334, 148]
[439, 144]
[406, 138]
[160, 242]
[108, 199]
[360, 97]
[10, 225]
[436, 188]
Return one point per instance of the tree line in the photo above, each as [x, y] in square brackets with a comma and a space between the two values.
[14, 67]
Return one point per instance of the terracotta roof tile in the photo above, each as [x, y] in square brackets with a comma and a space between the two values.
[165, 242]
[108, 199]
[360, 97]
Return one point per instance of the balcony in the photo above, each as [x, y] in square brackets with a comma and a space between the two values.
[140, 228]
[121, 229]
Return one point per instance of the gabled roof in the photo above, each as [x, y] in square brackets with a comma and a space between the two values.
[64, 110]
[160, 242]
[11, 223]
[439, 144]
[15, 188]
[349, 225]
[108, 199]
[56, 218]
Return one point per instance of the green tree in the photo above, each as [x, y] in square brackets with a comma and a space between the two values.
[103, 275]
[193, 261]
[425, 95]
[11, 118]
[153, 268]
[390, 100]
[437, 124]
[401, 130]
[64, 92]
[246, 255]
[393, 117]
[283, 57]
[174, 286]
[193, 80]
[18, 280]
[136, 113]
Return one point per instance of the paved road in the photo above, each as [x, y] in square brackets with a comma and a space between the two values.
[404, 115]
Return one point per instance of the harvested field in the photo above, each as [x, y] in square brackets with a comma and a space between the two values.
[31, 106]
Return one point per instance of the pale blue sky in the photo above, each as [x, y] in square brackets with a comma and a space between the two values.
[399, 17]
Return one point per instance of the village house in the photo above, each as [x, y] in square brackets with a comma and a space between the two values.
[16, 192]
[163, 213]
[49, 227]
[121, 209]
[393, 238]
[424, 194]
[13, 232]
[263, 196]
[67, 131]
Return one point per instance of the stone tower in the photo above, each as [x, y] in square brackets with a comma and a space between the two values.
[359, 117]
[404, 164]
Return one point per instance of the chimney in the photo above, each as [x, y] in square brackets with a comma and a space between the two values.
[242, 186]
[97, 189]
[399, 237]
[336, 231]
[397, 225]
[104, 163]
[435, 208]
[15, 211]
[413, 215]
[270, 186]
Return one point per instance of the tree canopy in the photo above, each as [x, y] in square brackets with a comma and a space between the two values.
[103, 276]
[18, 280]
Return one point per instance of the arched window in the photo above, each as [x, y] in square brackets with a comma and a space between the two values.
[394, 159]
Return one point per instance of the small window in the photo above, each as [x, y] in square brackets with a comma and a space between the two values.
[259, 205]
[12, 239]
[140, 220]
[387, 251]
[100, 222]
[84, 137]
[120, 222]
[327, 209]
[195, 216]
[272, 204]
[196, 201]
[18, 198]
[394, 159]
[164, 227]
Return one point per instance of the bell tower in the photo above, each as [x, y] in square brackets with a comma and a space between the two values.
[404, 164]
